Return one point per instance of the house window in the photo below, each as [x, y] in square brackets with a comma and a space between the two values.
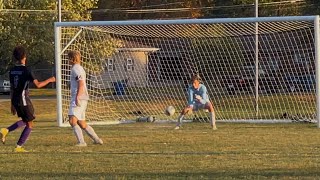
[273, 63]
[110, 65]
[129, 64]
[299, 58]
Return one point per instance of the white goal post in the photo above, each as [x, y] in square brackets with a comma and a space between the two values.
[135, 69]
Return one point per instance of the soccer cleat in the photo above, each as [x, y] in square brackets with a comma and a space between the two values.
[4, 132]
[214, 127]
[81, 144]
[177, 127]
[99, 141]
[19, 149]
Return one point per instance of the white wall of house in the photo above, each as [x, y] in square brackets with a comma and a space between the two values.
[126, 65]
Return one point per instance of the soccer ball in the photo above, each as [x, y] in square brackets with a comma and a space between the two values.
[170, 111]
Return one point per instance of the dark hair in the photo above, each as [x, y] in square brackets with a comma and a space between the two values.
[19, 53]
[195, 77]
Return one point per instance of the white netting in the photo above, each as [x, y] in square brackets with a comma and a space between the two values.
[139, 70]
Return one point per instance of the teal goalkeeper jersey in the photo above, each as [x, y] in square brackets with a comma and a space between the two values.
[202, 91]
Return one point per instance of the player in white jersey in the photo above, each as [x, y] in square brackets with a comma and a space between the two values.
[79, 101]
[198, 99]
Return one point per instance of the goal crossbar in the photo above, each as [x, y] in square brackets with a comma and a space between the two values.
[186, 21]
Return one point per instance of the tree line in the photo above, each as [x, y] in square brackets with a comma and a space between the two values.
[31, 22]
[167, 9]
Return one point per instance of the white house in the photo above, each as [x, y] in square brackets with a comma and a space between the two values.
[127, 65]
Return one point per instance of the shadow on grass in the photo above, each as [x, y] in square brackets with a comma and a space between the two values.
[123, 153]
[232, 174]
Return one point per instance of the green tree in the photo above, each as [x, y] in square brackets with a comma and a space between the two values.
[30, 23]
[246, 8]
[78, 10]
[312, 7]
[116, 10]
[100, 45]
[30, 28]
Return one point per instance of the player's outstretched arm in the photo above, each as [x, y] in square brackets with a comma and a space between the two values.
[40, 84]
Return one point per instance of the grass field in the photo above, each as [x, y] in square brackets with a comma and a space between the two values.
[156, 151]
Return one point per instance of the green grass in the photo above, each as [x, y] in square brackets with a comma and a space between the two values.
[156, 151]
[227, 107]
[42, 92]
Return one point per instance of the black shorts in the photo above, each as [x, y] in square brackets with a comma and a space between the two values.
[25, 112]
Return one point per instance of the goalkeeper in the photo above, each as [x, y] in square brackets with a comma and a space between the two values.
[198, 99]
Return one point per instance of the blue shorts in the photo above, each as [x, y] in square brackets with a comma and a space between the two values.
[198, 106]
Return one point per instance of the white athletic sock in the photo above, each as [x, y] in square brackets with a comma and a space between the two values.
[180, 118]
[78, 132]
[91, 133]
[212, 118]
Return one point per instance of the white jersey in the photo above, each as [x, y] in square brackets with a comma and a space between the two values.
[78, 74]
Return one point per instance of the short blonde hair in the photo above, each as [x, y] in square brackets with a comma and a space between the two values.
[74, 56]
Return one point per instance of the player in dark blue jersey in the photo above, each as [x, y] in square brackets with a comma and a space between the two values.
[20, 77]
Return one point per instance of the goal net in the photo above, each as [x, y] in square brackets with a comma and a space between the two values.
[253, 68]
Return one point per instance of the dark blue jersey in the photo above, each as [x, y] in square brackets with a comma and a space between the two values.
[20, 77]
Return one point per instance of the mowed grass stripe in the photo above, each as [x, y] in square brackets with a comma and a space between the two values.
[150, 151]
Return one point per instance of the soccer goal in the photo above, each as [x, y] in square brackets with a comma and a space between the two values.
[255, 69]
